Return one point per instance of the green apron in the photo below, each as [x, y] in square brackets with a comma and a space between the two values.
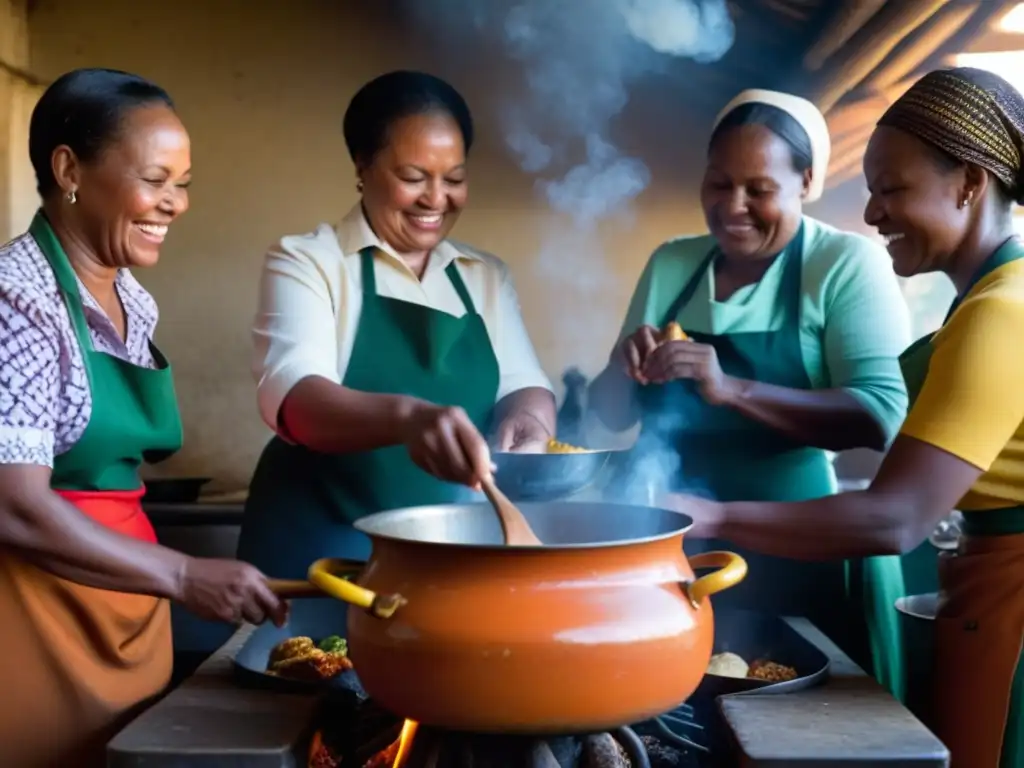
[723, 454]
[135, 415]
[302, 503]
[84, 660]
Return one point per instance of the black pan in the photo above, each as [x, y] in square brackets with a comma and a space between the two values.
[754, 636]
[547, 476]
[311, 617]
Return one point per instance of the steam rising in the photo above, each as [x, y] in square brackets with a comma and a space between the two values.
[579, 58]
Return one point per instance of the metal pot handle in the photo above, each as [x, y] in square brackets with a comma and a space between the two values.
[329, 575]
[731, 570]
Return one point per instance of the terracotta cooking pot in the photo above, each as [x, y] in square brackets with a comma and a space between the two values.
[602, 626]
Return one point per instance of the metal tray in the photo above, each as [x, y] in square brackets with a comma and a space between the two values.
[753, 636]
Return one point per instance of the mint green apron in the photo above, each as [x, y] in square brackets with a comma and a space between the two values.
[302, 503]
[886, 579]
[79, 659]
[727, 456]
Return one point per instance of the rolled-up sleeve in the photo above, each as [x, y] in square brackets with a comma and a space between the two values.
[295, 333]
[867, 326]
[518, 364]
[30, 379]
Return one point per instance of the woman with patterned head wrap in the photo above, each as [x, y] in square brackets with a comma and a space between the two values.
[794, 333]
[944, 168]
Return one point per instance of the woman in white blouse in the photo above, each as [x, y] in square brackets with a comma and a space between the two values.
[384, 351]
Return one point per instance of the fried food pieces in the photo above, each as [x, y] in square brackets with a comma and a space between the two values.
[299, 658]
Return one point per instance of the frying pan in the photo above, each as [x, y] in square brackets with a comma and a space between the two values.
[309, 617]
[547, 476]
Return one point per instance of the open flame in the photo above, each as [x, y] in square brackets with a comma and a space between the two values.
[405, 739]
[395, 755]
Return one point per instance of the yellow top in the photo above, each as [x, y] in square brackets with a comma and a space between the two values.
[972, 401]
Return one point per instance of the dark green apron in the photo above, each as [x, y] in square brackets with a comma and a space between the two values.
[134, 415]
[302, 503]
[727, 456]
[886, 579]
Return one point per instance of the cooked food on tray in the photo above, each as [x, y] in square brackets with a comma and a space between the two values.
[772, 672]
[732, 665]
[728, 665]
[299, 658]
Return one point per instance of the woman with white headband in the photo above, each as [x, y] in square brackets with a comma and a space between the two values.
[794, 329]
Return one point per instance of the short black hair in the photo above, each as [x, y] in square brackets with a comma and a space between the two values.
[776, 120]
[84, 109]
[393, 96]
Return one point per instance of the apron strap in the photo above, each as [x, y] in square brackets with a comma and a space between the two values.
[789, 284]
[460, 288]
[370, 280]
[48, 243]
[42, 232]
[369, 276]
[1010, 250]
[688, 290]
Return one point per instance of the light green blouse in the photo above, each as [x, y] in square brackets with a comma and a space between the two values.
[854, 321]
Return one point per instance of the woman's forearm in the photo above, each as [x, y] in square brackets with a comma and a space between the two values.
[824, 418]
[331, 418]
[612, 398]
[53, 535]
[856, 524]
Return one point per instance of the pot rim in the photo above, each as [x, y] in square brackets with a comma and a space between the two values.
[371, 525]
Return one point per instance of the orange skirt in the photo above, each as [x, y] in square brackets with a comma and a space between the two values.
[77, 662]
[979, 633]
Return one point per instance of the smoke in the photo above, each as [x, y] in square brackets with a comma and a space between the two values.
[579, 59]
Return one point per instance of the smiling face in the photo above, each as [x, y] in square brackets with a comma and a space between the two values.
[415, 187]
[752, 195]
[132, 192]
[915, 201]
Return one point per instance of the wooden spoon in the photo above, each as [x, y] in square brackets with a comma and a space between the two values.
[518, 532]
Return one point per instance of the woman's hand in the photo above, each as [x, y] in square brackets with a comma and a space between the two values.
[631, 355]
[522, 433]
[444, 442]
[229, 590]
[675, 360]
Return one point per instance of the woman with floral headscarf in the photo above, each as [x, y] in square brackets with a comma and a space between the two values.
[944, 167]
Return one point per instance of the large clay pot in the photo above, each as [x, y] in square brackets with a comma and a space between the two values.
[604, 625]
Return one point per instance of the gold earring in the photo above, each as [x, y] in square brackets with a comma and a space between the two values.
[359, 185]
[72, 197]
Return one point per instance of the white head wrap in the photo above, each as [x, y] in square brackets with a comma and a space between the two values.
[810, 119]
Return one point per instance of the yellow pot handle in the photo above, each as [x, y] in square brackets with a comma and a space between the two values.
[329, 575]
[731, 571]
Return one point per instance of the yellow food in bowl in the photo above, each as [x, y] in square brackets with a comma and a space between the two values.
[556, 447]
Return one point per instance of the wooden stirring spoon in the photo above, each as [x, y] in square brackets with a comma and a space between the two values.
[518, 532]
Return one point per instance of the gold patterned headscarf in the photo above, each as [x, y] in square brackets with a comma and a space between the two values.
[971, 114]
